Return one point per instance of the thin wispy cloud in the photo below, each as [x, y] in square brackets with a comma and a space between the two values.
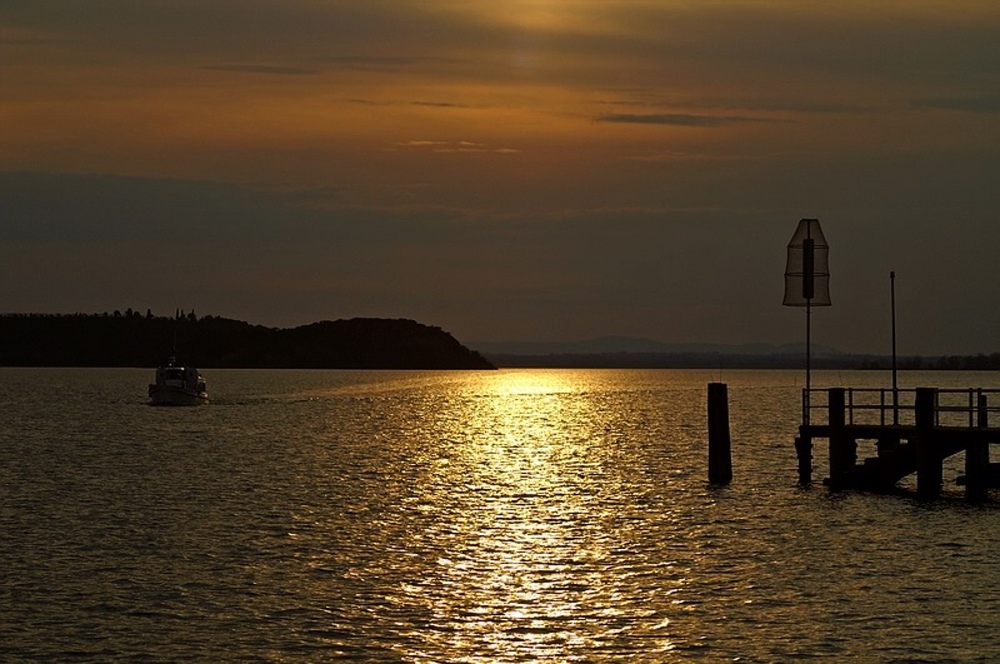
[270, 70]
[678, 119]
[678, 156]
[13, 36]
[438, 104]
[651, 100]
[452, 147]
[381, 62]
[404, 103]
[989, 104]
[422, 144]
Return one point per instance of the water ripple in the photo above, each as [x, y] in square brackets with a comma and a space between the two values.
[461, 517]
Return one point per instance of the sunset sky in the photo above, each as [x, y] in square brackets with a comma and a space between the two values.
[509, 170]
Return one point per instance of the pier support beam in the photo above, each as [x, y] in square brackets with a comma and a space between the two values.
[888, 450]
[804, 452]
[843, 448]
[720, 462]
[930, 474]
[977, 457]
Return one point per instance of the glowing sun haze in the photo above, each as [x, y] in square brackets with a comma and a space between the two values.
[519, 170]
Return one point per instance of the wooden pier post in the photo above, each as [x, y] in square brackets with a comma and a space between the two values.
[888, 449]
[843, 449]
[977, 456]
[930, 473]
[804, 452]
[720, 462]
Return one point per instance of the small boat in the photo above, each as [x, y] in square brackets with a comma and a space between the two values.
[177, 386]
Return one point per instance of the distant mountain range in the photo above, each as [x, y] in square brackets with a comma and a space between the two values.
[630, 352]
[619, 345]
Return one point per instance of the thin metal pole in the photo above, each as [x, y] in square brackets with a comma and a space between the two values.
[808, 286]
[895, 386]
[808, 358]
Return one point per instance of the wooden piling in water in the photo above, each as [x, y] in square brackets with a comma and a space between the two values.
[843, 447]
[720, 463]
[930, 473]
[804, 451]
[977, 456]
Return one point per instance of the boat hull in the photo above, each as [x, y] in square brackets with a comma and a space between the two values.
[168, 395]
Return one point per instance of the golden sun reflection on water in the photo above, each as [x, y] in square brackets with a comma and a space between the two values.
[508, 516]
[517, 383]
[544, 559]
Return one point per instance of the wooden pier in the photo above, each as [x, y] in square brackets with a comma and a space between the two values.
[914, 431]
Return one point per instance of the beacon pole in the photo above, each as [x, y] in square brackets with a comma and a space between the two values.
[808, 291]
[895, 386]
[807, 284]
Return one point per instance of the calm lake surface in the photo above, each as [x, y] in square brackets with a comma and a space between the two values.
[508, 516]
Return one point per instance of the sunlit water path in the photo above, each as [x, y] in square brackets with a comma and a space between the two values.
[448, 516]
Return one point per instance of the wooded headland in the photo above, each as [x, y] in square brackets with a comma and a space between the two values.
[132, 339]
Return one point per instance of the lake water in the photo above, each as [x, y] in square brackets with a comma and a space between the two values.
[508, 516]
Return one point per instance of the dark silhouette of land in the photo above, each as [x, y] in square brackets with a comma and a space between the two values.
[132, 339]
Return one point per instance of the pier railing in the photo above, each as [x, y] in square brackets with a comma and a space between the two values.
[970, 407]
